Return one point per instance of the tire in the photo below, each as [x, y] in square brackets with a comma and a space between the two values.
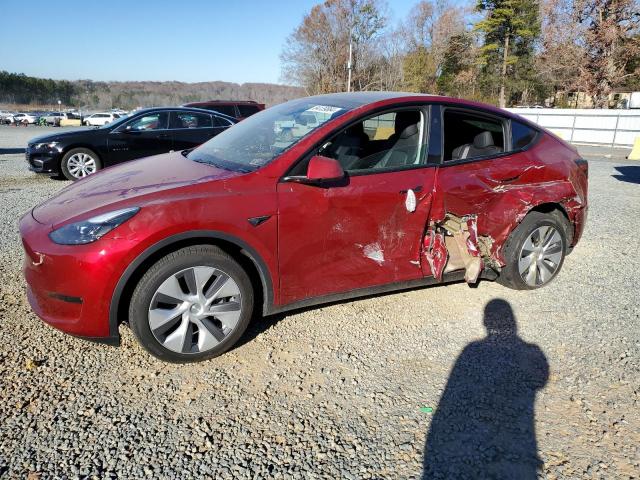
[545, 236]
[78, 163]
[87, 124]
[172, 323]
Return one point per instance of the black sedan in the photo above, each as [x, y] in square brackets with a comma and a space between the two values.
[78, 153]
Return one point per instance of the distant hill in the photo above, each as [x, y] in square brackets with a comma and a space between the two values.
[20, 89]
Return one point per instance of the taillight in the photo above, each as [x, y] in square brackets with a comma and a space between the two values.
[583, 165]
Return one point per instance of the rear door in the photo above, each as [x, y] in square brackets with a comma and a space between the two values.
[483, 176]
[366, 230]
[190, 129]
[142, 136]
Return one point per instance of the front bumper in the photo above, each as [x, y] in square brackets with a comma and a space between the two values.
[43, 161]
[70, 287]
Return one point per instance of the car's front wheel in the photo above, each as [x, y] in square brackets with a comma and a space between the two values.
[535, 251]
[78, 163]
[192, 305]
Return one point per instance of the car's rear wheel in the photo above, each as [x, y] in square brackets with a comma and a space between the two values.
[192, 305]
[535, 251]
[78, 163]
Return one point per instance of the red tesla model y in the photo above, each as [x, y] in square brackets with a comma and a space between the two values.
[315, 200]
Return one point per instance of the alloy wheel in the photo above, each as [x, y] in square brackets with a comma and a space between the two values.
[195, 309]
[80, 165]
[540, 256]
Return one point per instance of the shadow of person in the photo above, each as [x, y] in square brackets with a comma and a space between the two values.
[484, 426]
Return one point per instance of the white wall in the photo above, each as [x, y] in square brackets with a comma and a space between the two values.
[595, 126]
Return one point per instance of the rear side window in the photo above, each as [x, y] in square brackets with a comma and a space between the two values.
[181, 120]
[222, 122]
[521, 135]
[469, 135]
[247, 110]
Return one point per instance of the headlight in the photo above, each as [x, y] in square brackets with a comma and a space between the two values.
[42, 146]
[91, 230]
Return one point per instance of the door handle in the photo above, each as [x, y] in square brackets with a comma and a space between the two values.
[506, 179]
[163, 135]
[417, 188]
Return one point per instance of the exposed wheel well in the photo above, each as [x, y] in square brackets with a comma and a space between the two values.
[235, 251]
[558, 209]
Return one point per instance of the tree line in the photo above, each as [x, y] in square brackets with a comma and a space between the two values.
[504, 52]
[20, 89]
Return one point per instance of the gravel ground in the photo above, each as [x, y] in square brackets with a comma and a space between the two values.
[352, 390]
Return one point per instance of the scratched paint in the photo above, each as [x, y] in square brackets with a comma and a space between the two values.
[374, 252]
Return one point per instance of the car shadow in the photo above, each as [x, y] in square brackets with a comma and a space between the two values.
[484, 425]
[629, 173]
[9, 151]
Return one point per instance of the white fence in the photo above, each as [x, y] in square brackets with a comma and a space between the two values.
[614, 128]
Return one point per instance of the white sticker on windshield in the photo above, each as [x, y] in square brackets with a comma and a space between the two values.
[324, 109]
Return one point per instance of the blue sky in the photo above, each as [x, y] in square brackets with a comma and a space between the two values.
[186, 40]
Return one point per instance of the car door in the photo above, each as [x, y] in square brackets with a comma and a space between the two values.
[144, 135]
[366, 230]
[190, 129]
[483, 176]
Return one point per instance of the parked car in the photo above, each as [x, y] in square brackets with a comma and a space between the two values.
[6, 117]
[186, 246]
[24, 118]
[236, 109]
[78, 153]
[99, 119]
[53, 118]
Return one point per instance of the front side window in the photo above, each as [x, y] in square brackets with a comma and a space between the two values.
[180, 120]
[469, 135]
[151, 121]
[385, 142]
[259, 139]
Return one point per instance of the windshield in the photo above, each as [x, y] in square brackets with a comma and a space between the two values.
[259, 139]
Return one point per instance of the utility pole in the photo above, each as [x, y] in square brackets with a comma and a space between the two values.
[350, 59]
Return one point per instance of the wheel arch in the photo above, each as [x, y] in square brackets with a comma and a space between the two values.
[243, 253]
[549, 208]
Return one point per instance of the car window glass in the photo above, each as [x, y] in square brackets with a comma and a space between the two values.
[152, 121]
[256, 141]
[469, 135]
[190, 120]
[247, 110]
[222, 122]
[380, 127]
[521, 135]
[224, 109]
[385, 142]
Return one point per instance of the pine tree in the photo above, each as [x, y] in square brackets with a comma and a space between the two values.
[510, 29]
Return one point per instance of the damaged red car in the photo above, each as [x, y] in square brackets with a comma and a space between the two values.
[315, 200]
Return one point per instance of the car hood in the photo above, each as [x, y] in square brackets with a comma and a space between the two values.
[121, 185]
[54, 137]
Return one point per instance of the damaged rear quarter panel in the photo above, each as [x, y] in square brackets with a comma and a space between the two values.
[501, 191]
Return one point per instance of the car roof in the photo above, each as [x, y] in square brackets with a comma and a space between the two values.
[182, 109]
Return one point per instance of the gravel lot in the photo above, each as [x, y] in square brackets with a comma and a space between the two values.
[353, 390]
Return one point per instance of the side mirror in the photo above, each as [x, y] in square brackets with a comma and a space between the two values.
[320, 170]
[324, 168]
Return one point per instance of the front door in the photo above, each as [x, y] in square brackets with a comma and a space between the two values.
[143, 136]
[364, 231]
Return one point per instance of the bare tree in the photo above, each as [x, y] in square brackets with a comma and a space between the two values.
[609, 38]
[428, 31]
[316, 53]
[561, 54]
